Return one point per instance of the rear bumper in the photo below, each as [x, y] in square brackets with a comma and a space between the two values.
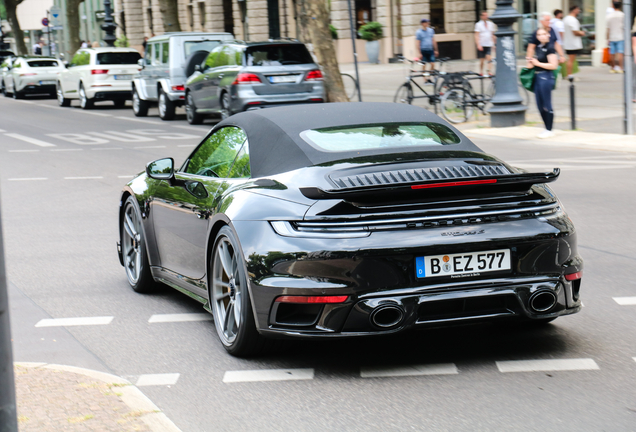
[36, 89]
[112, 95]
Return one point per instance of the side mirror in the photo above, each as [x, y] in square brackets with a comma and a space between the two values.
[197, 68]
[65, 62]
[141, 62]
[161, 169]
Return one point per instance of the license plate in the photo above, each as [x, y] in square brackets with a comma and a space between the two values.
[282, 79]
[462, 264]
[47, 82]
[123, 77]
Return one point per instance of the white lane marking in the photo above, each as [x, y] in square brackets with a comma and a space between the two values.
[28, 179]
[2, 130]
[148, 147]
[625, 301]
[23, 151]
[81, 139]
[187, 145]
[23, 101]
[83, 178]
[108, 148]
[191, 128]
[65, 150]
[68, 322]
[139, 120]
[30, 140]
[121, 136]
[158, 133]
[546, 365]
[184, 317]
[157, 379]
[634, 358]
[96, 114]
[268, 375]
[413, 370]
[126, 176]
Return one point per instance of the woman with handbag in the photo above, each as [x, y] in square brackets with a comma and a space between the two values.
[544, 62]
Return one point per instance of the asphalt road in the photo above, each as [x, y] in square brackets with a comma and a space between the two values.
[61, 170]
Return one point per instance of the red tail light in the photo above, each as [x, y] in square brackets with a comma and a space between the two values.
[459, 183]
[574, 276]
[178, 88]
[314, 75]
[99, 71]
[246, 78]
[27, 74]
[312, 299]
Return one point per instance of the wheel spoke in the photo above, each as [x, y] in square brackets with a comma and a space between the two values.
[130, 227]
[237, 310]
[226, 259]
[229, 316]
[221, 296]
[221, 283]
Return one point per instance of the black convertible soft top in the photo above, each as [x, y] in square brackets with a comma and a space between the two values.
[276, 145]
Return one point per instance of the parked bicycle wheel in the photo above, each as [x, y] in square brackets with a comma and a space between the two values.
[351, 89]
[456, 107]
[404, 94]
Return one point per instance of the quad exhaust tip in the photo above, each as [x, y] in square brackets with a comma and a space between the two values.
[387, 316]
[542, 301]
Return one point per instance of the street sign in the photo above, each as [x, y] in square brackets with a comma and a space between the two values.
[45, 22]
[57, 28]
[56, 16]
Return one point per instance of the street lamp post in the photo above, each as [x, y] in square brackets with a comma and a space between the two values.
[109, 25]
[507, 109]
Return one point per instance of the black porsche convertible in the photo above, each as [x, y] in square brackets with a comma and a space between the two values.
[351, 219]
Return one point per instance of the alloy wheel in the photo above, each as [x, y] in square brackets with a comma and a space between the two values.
[162, 105]
[135, 101]
[227, 291]
[82, 97]
[60, 95]
[132, 244]
[189, 108]
[225, 106]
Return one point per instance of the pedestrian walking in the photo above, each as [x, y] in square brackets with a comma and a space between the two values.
[615, 27]
[485, 40]
[556, 24]
[145, 42]
[426, 44]
[572, 41]
[544, 23]
[37, 48]
[544, 63]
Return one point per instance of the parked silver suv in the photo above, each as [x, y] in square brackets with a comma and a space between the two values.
[238, 76]
[164, 72]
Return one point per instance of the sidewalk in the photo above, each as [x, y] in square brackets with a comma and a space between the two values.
[54, 398]
[599, 95]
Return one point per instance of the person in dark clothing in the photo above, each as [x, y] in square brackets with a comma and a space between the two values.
[553, 39]
[544, 62]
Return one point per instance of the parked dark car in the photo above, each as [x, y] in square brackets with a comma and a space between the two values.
[348, 219]
[238, 76]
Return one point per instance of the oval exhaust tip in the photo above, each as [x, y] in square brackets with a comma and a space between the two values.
[387, 317]
[543, 301]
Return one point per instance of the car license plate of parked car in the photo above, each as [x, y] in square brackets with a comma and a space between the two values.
[278, 79]
[462, 264]
[123, 77]
[47, 82]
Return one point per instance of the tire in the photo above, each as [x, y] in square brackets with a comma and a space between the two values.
[454, 106]
[230, 298]
[404, 94]
[350, 86]
[133, 249]
[140, 106]
[61, 100]
[191, 111]
[4, 90]
[166, 106]
[17, 94]
[225, 106]
[85, 102]
[119, 103]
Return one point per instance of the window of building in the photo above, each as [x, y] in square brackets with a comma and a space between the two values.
[202, 14]
[191, 16]
[363, 13]
[437, 16]
[228, 17]
[273, 17]
[149, 14]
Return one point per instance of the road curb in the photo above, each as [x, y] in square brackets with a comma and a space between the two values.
[155, 419]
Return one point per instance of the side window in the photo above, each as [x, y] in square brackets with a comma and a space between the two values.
[85, 58]
[241, 167]
[215, 156]
[212, 59]
[165, 49]
[156, 54]
[17, 64]
[148, 54]
[230, 58]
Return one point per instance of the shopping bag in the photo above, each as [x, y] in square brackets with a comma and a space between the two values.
[606, 55]
[564, 69]
[560, 71]
[526, 76]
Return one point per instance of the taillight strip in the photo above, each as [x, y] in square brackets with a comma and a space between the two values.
[574, 276]
[459, 183]
[312, 299]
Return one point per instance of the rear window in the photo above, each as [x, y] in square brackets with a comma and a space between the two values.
[43, 63]
[375, 136]
[277, 55]
[117, 58]
[203, 45]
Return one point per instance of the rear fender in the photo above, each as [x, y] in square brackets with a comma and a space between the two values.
[138, 84]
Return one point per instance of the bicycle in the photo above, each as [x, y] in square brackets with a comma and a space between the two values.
[405, 93]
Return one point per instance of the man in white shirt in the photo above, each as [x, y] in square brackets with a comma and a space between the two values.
[615, 28]
[485, 40]
[556, 24]
[572, 41]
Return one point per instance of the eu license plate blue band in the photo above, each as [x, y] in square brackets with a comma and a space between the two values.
[420, 268]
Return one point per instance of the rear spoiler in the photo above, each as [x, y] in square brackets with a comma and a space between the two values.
[475, 185]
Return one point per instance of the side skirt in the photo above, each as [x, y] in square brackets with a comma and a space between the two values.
[193, 288]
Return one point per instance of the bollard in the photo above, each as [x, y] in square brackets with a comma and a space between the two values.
[572, 110]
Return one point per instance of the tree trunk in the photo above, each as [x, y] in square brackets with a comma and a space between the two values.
[170, 15]
[317, 19]
[11, 7]
[73, 26]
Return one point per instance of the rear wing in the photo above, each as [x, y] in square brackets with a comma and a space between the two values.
[453, 187]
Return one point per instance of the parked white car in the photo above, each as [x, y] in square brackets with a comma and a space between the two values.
[98, 74]
[30, 75]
